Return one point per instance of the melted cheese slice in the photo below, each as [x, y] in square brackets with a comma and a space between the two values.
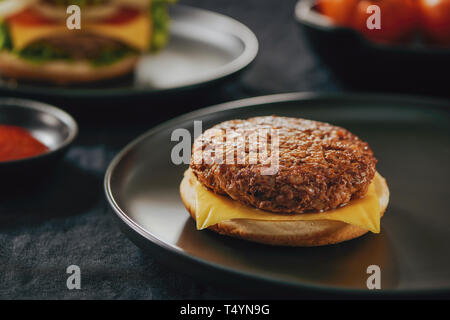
[135, 34]
[212, 209]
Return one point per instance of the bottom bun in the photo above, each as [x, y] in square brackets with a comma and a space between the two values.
[283, 233]
[60, 72]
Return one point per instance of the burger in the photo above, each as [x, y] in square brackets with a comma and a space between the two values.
[324, 190]
[36, 44]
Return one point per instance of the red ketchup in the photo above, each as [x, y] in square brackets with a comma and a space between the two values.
[17, 143]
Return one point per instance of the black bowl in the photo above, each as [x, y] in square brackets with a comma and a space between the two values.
[364, 64]
[50, 125]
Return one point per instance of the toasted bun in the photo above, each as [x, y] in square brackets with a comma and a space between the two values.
[283, 233]
[12, 66]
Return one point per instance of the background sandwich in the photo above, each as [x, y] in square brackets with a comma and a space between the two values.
[35, 43]
[326, 189]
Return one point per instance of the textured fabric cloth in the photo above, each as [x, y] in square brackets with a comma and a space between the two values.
[67, 221]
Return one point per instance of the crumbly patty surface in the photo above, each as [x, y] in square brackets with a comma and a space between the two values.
[320, 166]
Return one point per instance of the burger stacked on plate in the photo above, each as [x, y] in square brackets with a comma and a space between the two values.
[325, 190]
[36, 44]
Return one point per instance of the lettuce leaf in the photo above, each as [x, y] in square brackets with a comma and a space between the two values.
[42, 52]
[161, 23]
[108, 56]
[5, 38]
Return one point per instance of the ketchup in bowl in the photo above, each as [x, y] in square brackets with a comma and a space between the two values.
[17, 143]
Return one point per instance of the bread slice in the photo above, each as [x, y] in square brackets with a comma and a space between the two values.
[61, 72]
[283, 233]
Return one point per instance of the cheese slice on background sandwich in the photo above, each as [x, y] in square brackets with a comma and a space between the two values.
[36, 44]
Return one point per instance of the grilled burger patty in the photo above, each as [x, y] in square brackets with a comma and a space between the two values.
[321, 166]
[77, 47]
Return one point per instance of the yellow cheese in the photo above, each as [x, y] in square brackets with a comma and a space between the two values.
[135, 34]
[212, 209]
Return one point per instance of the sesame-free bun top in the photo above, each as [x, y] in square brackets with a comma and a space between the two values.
[320, 166]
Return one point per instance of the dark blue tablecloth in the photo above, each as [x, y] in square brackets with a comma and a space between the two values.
[66, 220]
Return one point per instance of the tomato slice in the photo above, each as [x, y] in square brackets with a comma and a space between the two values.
[29, 17]
[125, 15]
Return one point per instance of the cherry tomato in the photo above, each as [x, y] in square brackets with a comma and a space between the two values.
[435, 20]
[340, 11]
[399, 19]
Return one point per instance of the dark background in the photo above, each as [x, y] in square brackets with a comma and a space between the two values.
[67, 220]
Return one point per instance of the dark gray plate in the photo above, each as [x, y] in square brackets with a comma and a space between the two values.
[411, 139]
[205, 47]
